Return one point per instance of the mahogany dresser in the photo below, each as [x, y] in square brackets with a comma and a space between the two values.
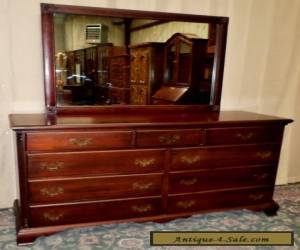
[92, 169]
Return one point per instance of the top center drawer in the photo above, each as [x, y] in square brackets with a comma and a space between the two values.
[169, 138]
[79, 140]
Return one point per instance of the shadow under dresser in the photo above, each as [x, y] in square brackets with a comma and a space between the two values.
[92, 169]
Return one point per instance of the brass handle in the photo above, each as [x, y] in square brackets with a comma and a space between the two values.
[245, 137]
[169, 139]
[188, 182]
[53, 216]
[144, 162]
[80, 142]
[52, 166]
[264, 154]
[186, 204]
[142, 208]
[261, 176]
[142, 186]
[51, 192]
[256, 197]
[190, 159]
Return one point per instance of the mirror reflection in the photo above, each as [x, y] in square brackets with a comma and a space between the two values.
[115, 61]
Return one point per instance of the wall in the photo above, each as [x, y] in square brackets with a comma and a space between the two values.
[75, 30]
[162, 32]
[262, 68]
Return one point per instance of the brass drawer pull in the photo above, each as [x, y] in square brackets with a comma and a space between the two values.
[190, 159]
[264, 154]
[188, 182]
[169, 139]
[260, 177]
[142, 186]
[142, 208]
[245, 137]
[52, 166]
[51, 192]
[144, 162]
[80, 142]
[256, 197]
[53, 216]
[186, 204]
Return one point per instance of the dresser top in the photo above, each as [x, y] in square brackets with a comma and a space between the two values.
[44, 121]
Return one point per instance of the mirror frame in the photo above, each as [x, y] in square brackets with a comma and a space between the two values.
[47, 12]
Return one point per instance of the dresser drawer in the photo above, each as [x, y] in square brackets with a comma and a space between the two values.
[94, 188]
[242, 135]
[54, 141]
[221, 178]
[95, 163]
[219, 199]
[93, 211]
[154, 138]
[218, 157]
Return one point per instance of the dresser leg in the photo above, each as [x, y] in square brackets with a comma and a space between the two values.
[272, 209]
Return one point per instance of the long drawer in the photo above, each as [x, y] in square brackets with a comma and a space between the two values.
[221, 178]
[95, 163]
[169, 138]
[224, 156]
[39, 141]
[219, 199]
[242, 135]
[94, 211]
[94, 188]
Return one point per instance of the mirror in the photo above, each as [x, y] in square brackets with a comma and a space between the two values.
[114, 58]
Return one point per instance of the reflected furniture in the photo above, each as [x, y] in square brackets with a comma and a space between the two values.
[146, 71]
[187, 70]
[119, 79]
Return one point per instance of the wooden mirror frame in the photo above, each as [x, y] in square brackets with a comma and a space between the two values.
[48, 10]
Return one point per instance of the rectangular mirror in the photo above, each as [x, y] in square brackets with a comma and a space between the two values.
[106, 57]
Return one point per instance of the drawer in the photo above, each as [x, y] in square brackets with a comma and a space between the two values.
[221, 178]
[229, 156]
[93, 211]
[176, 137]
[221, 136]
[95, 163]
[53, 141]
[94, 188]
[219, 199]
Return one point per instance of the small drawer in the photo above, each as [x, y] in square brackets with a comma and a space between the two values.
[168, 138]
[55, 141]
[93, 211]
[229, 156]
[95, 163]
[242, 135]
[221, 179]
[219, 199]
[97, 188]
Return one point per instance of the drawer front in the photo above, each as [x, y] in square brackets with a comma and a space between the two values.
[98, 188]
[218, 157]
[221, 178]
[219, 200]
[94, 163]
[78, 140]
[92, 212]
[222, 136]
[153, 138]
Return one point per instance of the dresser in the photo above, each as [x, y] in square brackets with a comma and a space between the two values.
[86, 170]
